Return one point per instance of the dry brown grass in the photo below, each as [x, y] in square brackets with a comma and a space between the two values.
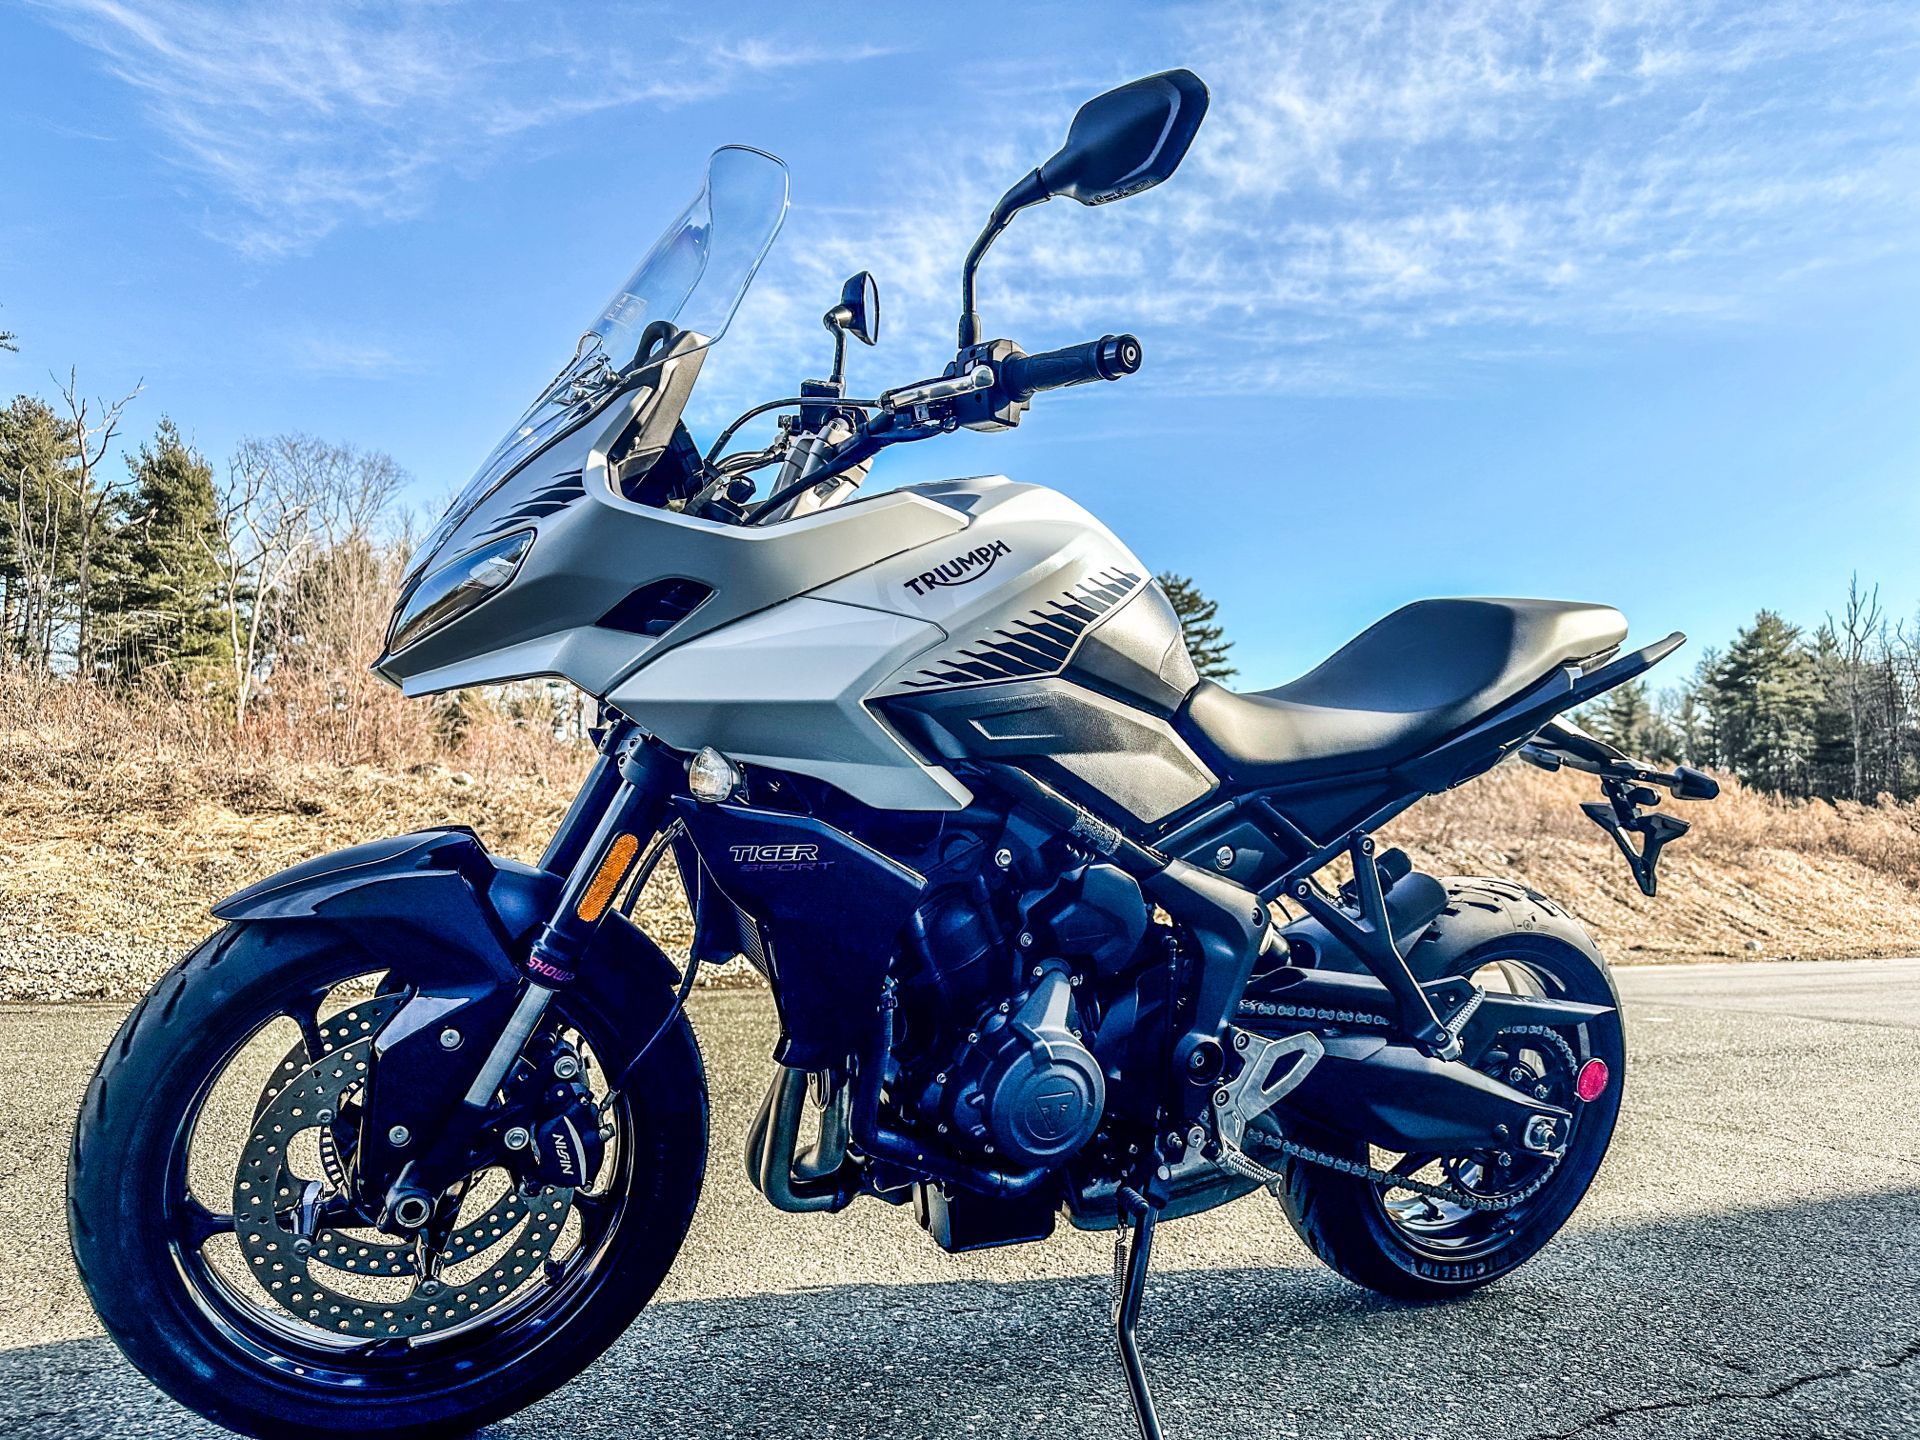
[1794, 878]
[120, 825]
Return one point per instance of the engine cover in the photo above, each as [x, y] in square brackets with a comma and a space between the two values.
[1028, 1088]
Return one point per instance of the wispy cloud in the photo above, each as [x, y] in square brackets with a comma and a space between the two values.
[349, 357]
[303, 118]
[1387, 193]
[1408, 180]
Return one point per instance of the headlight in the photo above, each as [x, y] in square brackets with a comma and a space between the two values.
[456, 588]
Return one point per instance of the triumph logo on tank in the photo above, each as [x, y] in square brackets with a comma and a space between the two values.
[777, 857]
[962, 570]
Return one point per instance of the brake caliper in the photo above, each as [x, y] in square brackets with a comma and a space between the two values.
[552, 1132]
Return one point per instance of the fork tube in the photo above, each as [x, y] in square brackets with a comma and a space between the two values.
[603, 781]
[646, 777]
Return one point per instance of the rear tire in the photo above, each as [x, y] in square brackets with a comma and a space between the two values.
[125, 1225]
[1343, 1218]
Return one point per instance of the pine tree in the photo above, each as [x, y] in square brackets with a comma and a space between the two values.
[1623, 717]
[1206, 638]
[160, 602]
[1692, 733]
[1765, 695]
[37, 523]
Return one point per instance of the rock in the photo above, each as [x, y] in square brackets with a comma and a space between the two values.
[1754, 947]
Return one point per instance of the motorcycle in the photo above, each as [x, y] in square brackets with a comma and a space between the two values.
[416, 1135]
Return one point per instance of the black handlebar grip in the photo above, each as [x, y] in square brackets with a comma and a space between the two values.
[1107, 358]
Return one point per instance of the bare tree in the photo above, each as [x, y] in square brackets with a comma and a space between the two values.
[262, 531]
[338, 600]
[38, 522]
[309, 576]
[1854, 634]
[95, 423]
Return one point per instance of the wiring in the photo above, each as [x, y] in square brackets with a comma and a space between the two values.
[727, 434]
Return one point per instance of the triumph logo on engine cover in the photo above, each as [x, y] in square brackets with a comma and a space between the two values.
[961, 570]
[1054, 1113]
[756, 858]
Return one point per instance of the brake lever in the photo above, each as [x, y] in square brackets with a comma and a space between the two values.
[928, 392]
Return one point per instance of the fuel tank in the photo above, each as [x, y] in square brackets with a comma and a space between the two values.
[1062, 654]
[1030, 635]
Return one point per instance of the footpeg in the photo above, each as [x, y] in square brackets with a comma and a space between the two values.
[1272, 1070]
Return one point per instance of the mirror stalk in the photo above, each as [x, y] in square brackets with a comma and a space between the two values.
[839, 375]
[1030, 191]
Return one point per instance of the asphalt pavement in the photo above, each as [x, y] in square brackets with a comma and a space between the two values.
[1747, 1265]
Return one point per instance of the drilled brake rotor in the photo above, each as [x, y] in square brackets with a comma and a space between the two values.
[360, 1283]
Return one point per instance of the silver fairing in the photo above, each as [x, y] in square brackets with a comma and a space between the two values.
[593, 547]
[812, 624]
[996, 613]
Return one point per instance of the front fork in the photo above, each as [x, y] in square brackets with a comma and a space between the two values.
[624, 802]
[648, 775]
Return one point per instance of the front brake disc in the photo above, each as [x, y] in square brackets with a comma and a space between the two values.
[304, 1272]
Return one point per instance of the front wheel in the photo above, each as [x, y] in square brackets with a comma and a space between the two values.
[1417, 1246]
[209, 1219]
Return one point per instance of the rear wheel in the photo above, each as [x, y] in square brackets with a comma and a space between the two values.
[1419, 1246]
[209, 1221]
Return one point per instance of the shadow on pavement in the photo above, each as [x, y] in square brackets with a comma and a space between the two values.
[1796, 1320]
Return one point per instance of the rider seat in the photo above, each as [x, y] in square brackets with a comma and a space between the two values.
[1395, 690]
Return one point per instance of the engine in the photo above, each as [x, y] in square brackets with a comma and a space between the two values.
[1026, 1090]
[1006, 1008]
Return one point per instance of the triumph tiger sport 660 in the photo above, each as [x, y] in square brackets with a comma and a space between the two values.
[410, 1141]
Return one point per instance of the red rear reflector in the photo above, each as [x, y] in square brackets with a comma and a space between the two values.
[1591, 1083]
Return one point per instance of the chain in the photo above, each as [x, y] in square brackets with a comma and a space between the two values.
[1243, 1164]
[1553, 1037]
[1272, 1010]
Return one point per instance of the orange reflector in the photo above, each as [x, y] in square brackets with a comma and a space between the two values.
[607, 878]
[1591, 1083]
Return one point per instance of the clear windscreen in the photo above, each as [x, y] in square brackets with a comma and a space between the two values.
[693, 279]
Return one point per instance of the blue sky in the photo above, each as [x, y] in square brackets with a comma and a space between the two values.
[1614, 302]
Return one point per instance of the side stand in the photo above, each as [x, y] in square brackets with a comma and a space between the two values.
[1130, 1261]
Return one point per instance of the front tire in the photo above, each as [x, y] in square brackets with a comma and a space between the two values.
[1379, 1237]
[137, 1227]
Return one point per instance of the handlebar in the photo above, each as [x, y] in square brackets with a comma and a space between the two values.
[1107, 358]
[988, 388]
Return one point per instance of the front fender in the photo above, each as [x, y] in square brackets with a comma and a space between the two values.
[438, 885]
[462, 918]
